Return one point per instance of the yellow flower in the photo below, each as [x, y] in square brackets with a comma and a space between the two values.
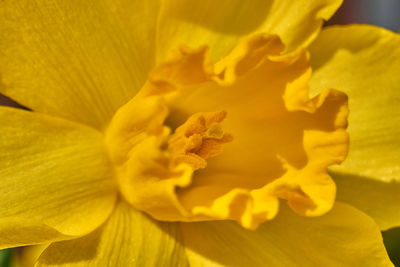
[157, 123]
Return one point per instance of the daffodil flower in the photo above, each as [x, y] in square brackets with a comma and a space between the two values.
[175, 133]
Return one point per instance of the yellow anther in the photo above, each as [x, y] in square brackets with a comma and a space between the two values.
[198, 139]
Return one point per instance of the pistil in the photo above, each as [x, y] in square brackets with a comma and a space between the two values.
[199, 138]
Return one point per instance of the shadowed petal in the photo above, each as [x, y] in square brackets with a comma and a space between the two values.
[364, 62]
[55, 178]
[220, 24]
[128, 238]
[343, 237]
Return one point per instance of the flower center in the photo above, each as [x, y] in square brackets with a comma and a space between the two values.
[199, 138]
[284, 141]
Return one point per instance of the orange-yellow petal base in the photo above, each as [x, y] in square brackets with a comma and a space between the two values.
[226, 141]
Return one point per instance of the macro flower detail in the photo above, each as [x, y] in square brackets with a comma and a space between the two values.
[188, 133]
[285, 144]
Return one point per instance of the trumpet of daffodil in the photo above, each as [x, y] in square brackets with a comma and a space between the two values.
[201, 133]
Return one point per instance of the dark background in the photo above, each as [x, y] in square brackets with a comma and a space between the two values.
[385, 13]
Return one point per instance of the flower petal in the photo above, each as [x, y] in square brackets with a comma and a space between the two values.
[54, 174]
[343, 237]
[379, 199]
[128, 238]
[220, 24]
[282, 144]
[16, 232]
[364, 62]
[79, 60]
[286, 140]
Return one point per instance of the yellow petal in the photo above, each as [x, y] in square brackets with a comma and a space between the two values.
[134, 138]
[364, 62]
[80, 60]
[53, 173]
[343, 237]
[17, 231]
[379, 199]
[220, 24]
[128, 238]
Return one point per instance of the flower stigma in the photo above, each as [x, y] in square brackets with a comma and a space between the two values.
[276, 142]
[199, 138]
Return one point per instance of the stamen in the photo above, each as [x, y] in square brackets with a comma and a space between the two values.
[199, 138]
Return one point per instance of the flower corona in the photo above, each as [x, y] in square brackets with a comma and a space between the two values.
[291, 138]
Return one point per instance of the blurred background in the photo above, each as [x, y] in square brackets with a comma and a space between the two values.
[385, 13]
